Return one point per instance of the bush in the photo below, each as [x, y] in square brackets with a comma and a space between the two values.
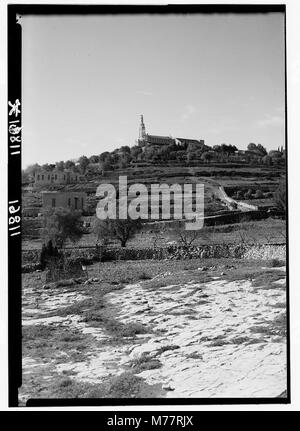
[258, 194]
[276, 263]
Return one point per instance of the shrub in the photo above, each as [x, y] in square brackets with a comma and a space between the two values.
[259, 194]
[276, 263]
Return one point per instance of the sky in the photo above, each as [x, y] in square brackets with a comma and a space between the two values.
[87, 79]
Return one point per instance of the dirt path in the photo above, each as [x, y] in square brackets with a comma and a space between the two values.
[214, 339]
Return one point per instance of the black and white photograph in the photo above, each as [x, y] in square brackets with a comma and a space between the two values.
[152, 220]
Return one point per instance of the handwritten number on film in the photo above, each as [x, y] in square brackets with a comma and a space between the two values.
[14, 219]
[14, 129]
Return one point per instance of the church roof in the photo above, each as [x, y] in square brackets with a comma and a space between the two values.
[156, 139]
[192, 141]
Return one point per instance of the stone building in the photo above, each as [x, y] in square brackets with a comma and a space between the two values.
[64, 199]
[146, 140]
[67, 176]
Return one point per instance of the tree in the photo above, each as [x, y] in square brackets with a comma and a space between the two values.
[267, 160]
[104, 156]
[258, 194]
[32, 169]
[26, 178]
[83, 163]
[182, 236]
[60, 166]
[59, 225]
[261, 150]
[94, 159]
[280, 195]
[125, 149]
[106, 165]
[135, 151]
[124, 160]
[251, 147]
[48, 254]
[69, 164]
[217, 148]
[121, 230]
[190, 157]
[274, 154]
[206, 157]
[46, 167]
[248, 194]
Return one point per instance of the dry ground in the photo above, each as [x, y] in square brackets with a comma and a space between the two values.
[202, 328]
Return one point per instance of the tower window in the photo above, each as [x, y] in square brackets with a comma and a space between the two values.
[53, 202]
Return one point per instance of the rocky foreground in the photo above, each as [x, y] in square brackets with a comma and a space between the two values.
[217, 338]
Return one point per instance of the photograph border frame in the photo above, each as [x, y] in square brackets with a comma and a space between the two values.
[14, 51]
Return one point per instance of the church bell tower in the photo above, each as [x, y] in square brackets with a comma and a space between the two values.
[142, 129]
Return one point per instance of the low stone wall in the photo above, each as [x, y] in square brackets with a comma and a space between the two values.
[266, 252]
[174, 252]
[31, 267]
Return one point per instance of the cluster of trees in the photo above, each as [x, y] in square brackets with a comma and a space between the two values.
[186, 153]
[279, 195]
[252, 194]
[61, 225]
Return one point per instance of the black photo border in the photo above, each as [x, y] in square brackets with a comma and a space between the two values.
[14, 194]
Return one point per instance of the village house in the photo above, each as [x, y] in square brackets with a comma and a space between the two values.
[67, 176]
[64, 199]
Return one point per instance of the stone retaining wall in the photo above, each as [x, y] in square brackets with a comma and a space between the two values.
[174, 252]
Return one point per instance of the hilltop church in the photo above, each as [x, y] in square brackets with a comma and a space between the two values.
[146, 140]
